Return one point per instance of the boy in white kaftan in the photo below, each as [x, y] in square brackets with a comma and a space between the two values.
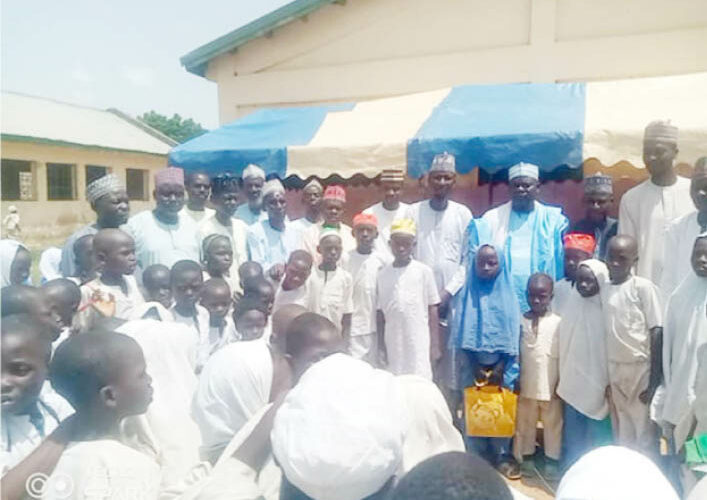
[333, 203]
[334, 283]
[96, 463]
[406, 292]
[187, 281]
[539, 374]
[633, 312]
[364, 263]
[297, 286]
[115, 292]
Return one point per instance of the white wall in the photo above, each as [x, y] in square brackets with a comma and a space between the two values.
[365, 49]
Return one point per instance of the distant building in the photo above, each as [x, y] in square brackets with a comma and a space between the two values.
[51, 150]
[322, 51]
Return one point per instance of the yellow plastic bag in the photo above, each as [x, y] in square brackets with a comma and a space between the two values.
[490, 411]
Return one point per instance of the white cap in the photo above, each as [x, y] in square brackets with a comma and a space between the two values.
[524, 170]
[253, 171]
[339, 433]
[272, 186]
[613, 473]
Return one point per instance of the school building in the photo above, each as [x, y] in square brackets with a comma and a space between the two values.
[52, 150]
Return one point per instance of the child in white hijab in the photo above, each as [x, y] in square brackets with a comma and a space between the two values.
[584, 374]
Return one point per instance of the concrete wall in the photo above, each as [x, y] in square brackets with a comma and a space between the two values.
[48, 222]
[363, 49]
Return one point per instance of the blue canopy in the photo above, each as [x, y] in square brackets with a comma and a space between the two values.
[486, 126]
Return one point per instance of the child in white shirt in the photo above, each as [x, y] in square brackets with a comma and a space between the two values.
[216, 298]
[634, 331]
[30, 409]
[364, 263]
[407, 301]
[334, 284]
[296, 286]
[578, 247]
[103, 376]
[187, 282]
[115, 292]
[539, 353]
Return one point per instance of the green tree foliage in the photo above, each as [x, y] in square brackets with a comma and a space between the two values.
[175, 127]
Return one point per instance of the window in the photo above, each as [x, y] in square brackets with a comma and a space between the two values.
[17, 180]
[94, 172]
[61, 183]
[136, 182]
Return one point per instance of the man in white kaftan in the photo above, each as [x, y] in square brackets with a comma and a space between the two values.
[646, 210]
[684, 337]
[271, 241]
[165, 235]
[682, 232]
[388, 210]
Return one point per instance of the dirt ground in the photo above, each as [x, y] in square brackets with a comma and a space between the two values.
[533, 488]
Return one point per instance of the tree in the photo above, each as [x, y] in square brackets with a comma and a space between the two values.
[176, 128]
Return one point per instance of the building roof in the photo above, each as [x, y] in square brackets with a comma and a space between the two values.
[37, 119]
[197, 60]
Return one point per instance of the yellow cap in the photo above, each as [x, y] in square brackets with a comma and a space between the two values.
[403, 226]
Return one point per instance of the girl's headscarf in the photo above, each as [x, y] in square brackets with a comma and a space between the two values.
[487, 313]
[8, 251]
[584, 366]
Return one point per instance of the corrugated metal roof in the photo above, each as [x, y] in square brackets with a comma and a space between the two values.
[197, 60]
[44, 120]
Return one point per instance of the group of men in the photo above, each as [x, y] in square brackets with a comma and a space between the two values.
[265, 337]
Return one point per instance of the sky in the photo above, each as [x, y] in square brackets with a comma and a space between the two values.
[124, 54]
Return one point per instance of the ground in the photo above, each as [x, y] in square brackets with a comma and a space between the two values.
[534, 488]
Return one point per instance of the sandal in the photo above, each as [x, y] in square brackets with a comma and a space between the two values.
[508, 467]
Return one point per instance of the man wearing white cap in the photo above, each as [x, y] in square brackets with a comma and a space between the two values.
[224, 197]
[312, 200]
[165, 235]
[253, 180]
[271, 241]
[390, 209]
[441, 224]
[646, 210]
[109, 200]
[530, 232]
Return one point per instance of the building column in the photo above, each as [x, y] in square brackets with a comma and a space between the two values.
[40, 180]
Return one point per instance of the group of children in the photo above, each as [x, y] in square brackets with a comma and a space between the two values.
[588, 356]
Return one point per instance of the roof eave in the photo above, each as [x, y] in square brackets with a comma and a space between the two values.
[197, 60]
[56, 142]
